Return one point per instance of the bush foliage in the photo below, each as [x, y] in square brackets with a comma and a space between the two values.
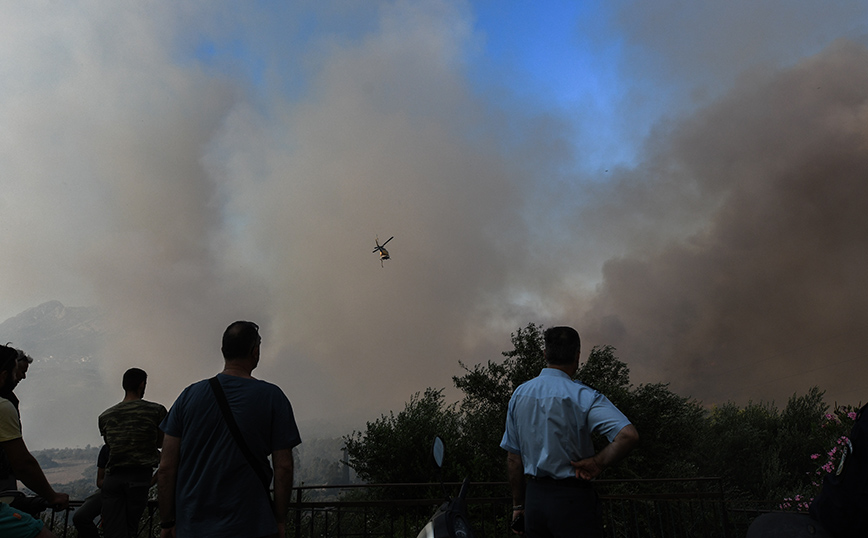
[762, 453]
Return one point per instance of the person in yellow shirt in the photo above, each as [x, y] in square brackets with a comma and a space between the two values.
[14, 523]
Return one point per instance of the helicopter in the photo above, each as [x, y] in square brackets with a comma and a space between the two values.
[384, 254]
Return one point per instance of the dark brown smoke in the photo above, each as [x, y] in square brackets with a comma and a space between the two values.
[769, 297]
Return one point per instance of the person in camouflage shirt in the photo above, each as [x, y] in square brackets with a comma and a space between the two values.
[131, 430]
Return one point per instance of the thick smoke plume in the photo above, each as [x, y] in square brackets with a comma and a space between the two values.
[185, 167]
[768, 297]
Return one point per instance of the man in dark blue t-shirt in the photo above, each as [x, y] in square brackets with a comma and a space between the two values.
[207, 487]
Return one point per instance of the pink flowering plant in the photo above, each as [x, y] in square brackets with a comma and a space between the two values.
[836, 426]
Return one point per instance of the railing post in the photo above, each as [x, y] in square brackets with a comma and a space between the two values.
[630, 509]
[298, 513]
[723, 513]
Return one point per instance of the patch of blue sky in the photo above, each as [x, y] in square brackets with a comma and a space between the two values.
[551, 55]
[221, 53]
[234, 55]
[271, 45]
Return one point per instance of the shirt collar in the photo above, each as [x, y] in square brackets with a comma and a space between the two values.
[554, 372]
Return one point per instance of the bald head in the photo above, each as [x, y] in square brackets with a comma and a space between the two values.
[240, 339]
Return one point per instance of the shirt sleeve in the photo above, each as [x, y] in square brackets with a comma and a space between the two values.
[284, 429]
[10, 426]
[606, 419]
[510, 437]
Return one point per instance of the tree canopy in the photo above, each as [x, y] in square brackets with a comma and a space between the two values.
[761, 452]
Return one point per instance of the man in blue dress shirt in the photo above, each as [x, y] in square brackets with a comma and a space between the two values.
[550, 454]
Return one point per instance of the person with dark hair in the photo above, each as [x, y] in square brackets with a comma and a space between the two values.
[16, 523]
[131, 430]
[550, 454]
[239, 339]
[133, 379]
[214, 474]
[22, 364]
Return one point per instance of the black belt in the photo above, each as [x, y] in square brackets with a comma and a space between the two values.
[571, 482]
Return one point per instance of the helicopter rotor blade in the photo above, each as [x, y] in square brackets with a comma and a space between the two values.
[387, 240]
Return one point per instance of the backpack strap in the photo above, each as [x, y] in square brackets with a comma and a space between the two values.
[236, 434]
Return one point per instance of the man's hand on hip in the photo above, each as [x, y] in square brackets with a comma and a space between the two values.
[587, 469]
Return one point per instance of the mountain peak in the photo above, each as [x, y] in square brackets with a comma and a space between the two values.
[52, 328]
[52, 308]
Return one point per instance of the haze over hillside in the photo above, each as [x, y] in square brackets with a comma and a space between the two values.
[67, 387]
[52, 330]
[65, 390]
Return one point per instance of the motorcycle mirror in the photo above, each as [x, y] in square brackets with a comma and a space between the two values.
[438, 450]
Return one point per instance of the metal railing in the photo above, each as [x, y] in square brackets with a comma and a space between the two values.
[661, 508]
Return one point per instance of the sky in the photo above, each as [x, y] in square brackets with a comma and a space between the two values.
[683, 181]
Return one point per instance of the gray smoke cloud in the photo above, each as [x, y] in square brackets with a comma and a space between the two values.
[766, 298]
[179, 202]
[181, 194]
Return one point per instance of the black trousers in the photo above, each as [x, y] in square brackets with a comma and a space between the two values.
[561, 509]
[124, 499]
[85, 515]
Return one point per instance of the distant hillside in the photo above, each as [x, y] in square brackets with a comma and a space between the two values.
[73, 470]
[54, 331]
[64, 391]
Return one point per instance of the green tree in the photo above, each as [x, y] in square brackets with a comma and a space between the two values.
[761, 453]
[396, 448]
[487, 389]
[801, 434]
[818, 440]
[765, 454]
[670, 426]
[604, 372]
[740, 446]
